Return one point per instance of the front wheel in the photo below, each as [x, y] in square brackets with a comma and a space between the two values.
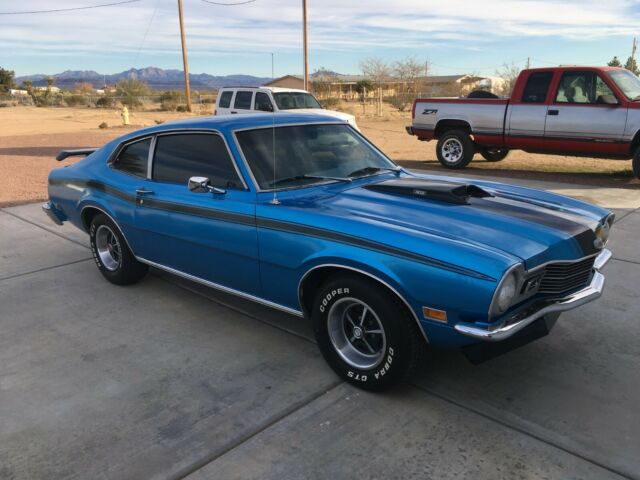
[111, 253]
[635, 163]
[365, 333]
[455, 149]
[494, 154]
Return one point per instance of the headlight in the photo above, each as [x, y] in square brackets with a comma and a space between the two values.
[602, 232]
[506, 293]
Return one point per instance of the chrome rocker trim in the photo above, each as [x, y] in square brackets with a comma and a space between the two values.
[49, 210]
[222, 288]
[586, 295]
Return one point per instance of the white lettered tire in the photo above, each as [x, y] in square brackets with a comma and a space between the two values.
[365, 333]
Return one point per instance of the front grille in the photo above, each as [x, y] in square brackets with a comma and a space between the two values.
[562, 277]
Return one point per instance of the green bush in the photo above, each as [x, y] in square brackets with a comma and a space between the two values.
[181, 108]
[105, 102]
[76, 100]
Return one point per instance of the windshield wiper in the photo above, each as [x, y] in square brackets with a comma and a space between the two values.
[307, 177]
[368, 170]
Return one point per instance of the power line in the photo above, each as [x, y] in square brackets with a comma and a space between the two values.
[228, 4]
[70, 9]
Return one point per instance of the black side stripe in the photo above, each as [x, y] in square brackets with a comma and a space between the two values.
[273, 225]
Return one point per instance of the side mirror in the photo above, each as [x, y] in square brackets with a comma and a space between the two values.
[608, 100]
[203, 185]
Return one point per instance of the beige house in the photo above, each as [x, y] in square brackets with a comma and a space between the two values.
[288, 81]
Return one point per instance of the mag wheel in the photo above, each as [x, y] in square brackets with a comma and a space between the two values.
[494, 154]
[455, 149]
[111, 253]
[365, 333]
[635, 163]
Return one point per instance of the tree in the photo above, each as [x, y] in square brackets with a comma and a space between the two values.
[614, 62]
[130, 91]
[321, 82]
[6, 79]
[409, 70]
[50, 81]
[632, 66]
[509, 73]
[27, 85]
[376, 69]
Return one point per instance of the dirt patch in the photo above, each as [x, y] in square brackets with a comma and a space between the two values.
[30, 138]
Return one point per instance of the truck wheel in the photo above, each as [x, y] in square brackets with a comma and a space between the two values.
[494, 154]
[635, 163]
[111, 253]
[455, 149]
[365, 333]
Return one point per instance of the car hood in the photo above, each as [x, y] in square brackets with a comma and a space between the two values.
[535, 226]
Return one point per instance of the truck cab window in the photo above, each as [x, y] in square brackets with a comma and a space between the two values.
[582, 87]
[225, 99]
[535, 91]
[263, 103]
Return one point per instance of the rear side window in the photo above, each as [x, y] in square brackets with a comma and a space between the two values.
[263, 103]
[535, 91]
[243, 100]
[133, 158]
[181, 156]
[225, 99]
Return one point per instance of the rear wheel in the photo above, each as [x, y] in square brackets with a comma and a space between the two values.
[455, 149]
[111, 253]
[494, 154]
[365, 333]
[635, 163]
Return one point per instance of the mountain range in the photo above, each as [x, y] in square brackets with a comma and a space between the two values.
[156, 78]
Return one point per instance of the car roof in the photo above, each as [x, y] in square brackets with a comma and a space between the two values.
[237, 122]
[264, 87]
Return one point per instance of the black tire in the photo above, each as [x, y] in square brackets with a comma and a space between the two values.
[635, 163]
[397, 351]
[494, 154]
[455, 149]
[112, 254]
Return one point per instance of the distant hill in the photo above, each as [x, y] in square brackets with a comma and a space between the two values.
[156, 78]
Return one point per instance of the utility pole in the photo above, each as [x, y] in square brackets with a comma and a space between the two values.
[304, 42]
[187, 89]
[633, 51]
[528, 63]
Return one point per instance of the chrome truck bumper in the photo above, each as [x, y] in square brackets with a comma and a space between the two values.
[539, 310]
[54, 215]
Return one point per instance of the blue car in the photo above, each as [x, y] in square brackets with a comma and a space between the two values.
[303, 214]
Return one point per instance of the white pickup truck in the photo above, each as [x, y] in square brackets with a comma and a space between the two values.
[239, 100]
[583, 111]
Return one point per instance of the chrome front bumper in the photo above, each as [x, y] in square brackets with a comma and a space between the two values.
[520, 321]
[51, 212]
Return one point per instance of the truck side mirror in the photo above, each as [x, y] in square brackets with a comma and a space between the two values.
[608, 99]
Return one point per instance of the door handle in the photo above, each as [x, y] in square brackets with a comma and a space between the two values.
[553, 112]
[234, 112]
[143, 191]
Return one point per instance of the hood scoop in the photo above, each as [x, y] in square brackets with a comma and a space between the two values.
[447, 192]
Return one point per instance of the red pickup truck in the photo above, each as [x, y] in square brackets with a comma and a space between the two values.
[584, 111]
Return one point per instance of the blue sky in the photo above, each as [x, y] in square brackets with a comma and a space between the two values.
[454, 36]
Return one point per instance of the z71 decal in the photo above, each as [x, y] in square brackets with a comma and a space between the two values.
[429, 111]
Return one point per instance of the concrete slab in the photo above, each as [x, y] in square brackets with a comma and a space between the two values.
[99, 381]
[26, 248]
[407, 434]
[625, 238]
[576, 388]
[33, 213]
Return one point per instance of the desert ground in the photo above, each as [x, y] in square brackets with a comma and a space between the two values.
[30, 137]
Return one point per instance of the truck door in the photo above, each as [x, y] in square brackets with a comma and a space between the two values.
[527, 112]
[585, 116]
[242, 102]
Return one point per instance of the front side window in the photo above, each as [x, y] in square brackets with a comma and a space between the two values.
[535, 91]
[243, 100]
[582, 87]
[133, 158]
[305, 151]
[263, 103]
[295, 100]
[225, 99]
[627, 82]
[181, 156]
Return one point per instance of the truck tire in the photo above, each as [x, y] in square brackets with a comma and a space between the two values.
[365, 333]
[635, 163]
[494, 154]
[455, 149]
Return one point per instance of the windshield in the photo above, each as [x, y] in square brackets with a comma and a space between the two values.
[627, 82]
[306, 154]
[295, 100]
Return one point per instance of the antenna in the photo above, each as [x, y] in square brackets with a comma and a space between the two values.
[274, 200]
